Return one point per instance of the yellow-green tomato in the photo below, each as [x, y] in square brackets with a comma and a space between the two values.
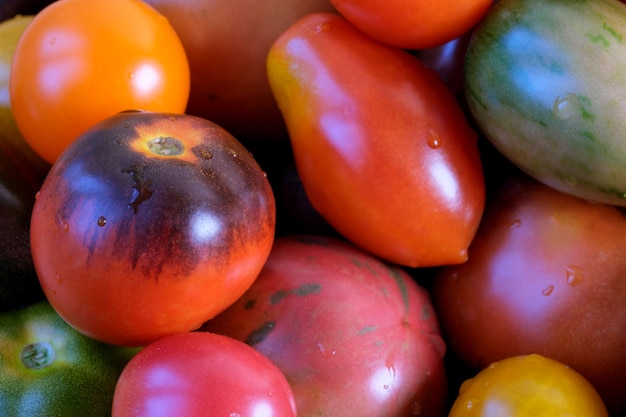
[528, 386]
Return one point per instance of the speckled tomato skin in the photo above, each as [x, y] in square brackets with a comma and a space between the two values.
[353, 335]
[130, 246]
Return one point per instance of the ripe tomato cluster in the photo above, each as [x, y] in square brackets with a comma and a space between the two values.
[325, 207]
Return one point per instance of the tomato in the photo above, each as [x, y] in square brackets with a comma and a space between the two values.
[383, 149]
[353, 335]
[417, 24]
[150, 224]
[528, 386]
[201, 374]
[227, 42]
[545, 275]
[543, 80]
[19, 181]
[48, 369]
[80, 61]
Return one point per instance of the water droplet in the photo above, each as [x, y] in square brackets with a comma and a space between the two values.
[58, 278]
[416, 408]
[385, 386]
[131, 75]
[322, 27]
[66, 227]
[126, 125]
[324, 351]
[52, 40]
[548, 290]
[434, 141]
[37, 194]
[566, 106]
[515, 224]
[472, 403]
[53, 291]
[574, 275]
[571, 180]
[102, 221]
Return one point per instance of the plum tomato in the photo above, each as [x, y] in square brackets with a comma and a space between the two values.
[198, 374]
[226, 42]
[545, 275]
[354, 335]
[384, 151]
[150, 224]
[416, 24]
[81, 61]
[528, 386]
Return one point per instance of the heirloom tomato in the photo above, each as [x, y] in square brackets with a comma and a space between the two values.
[384, 151]
[528, 386]
[544, 82]
[150, 224]
[226, 42]
[202, 374]
[354, 335]
[545, 275]
[416, 24]
[81, 61]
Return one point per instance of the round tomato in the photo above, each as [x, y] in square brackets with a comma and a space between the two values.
[80, 61]
[414, 24]
[528, 386]
[227, 42]
[354, 336]
[198, 375]
[150, 224]
[384, 151]
[545, 275]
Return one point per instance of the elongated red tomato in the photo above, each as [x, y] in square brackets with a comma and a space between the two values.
[384, 151]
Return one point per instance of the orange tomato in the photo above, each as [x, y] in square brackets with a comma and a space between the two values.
[528, 386]
[81, 61]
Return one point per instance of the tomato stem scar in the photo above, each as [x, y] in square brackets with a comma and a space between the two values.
[166, 146]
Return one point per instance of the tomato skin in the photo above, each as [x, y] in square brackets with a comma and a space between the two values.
[130, 246]
[201, 374]
[528, 386]
[81, 61]
[417, 24]
[534, 87]
[227, 59]
[353, 335]
[384, 151]
[544, 275]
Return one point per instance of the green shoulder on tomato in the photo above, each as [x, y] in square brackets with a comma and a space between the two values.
[48, 369]
[545, 83]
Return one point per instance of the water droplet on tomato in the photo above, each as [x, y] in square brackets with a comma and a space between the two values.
[574, 275]
[515, 224]
[566, 106]
[472, 403]
[102, 221]
[434, 141]
[571, 180]
[66, 227]
[52, 40]
[548, 290]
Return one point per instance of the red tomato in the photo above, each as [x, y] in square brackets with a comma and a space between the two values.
[545, 275]
[528, 386]
[353, 335]
[150, 224]
[200, 375]
[81, 61]
[227, 42]
[384, 151]
[416, 24]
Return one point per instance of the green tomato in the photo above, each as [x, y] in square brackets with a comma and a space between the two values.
[544, 80]
[48, 369]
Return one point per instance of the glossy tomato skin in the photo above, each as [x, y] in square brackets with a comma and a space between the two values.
[417, 24]
[544, 275]
[528, 386]
[227, 42]
[383, 149]
[201, 374]
[81, 61]
[353, 335]
[131, 245]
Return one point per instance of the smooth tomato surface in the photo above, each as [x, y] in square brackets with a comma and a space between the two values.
[199, 375]
[150, 224]
[528, 386]
[416, 24]
[226, 42]
[385, 152]
[353, 335]
[81, 61]
[545, 275]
